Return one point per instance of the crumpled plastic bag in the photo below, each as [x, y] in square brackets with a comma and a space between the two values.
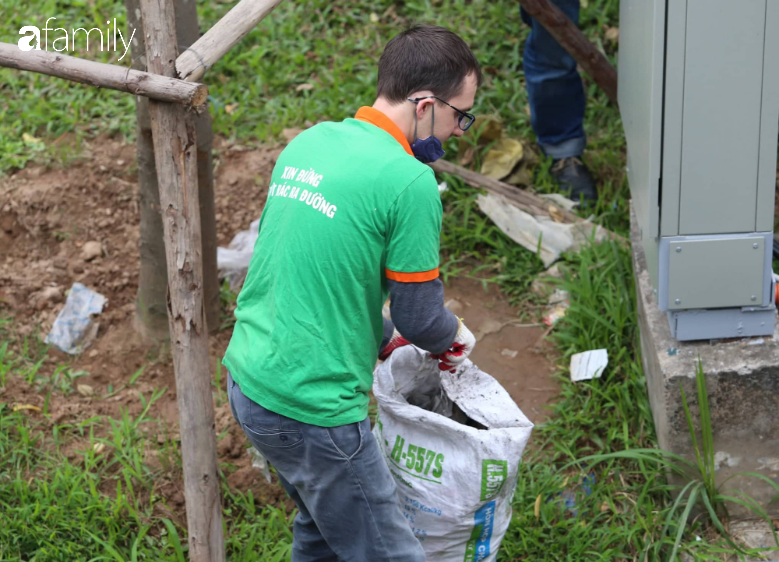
[233, 261]
[75, 327]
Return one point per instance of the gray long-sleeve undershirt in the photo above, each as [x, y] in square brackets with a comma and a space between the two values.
[419, 314]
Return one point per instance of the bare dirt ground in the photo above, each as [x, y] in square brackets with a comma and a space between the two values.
[48, 215]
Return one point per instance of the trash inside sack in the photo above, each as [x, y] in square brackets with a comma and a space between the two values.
[453, 443]
[75, 327]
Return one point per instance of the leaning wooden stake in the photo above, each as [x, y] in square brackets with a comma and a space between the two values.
[163, 88]
[173, 129]
[226, 33]
[524, 200]
[574, 41]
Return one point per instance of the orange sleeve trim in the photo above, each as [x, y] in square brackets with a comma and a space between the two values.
[416, 277]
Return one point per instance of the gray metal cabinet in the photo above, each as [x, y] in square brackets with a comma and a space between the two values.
[699, 96]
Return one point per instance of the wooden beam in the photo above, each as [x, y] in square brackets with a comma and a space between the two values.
[524, 200]
[103, 75]
[576, 43]
[192, 64]
[175, 151]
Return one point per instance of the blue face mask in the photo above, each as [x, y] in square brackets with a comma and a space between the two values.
[426, 150]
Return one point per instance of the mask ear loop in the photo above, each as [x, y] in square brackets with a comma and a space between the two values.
[416, 122]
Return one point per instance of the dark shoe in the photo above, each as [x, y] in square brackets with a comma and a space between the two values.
[575, 179]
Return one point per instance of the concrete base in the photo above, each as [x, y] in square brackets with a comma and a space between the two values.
[742, 377]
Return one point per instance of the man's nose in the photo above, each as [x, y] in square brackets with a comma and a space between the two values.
[458, 132]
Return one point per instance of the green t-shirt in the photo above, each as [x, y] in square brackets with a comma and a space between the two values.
[348, 206]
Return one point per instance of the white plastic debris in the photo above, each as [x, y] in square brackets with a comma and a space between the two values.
[259, 461]
[589, 365]
[75, 327]
[233, 261]
[560, 200]
[442, 187]
[527, 230]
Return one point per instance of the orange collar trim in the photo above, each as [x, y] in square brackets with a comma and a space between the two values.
[376, 117]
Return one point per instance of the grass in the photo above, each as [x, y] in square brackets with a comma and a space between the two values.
[104, 505]
[331, 45]
[88, 491]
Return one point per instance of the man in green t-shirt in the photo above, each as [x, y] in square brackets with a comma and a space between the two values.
[353, 215]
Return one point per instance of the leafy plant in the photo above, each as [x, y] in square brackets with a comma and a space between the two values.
[700, 489]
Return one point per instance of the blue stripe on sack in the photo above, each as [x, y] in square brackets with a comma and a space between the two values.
[484, 518]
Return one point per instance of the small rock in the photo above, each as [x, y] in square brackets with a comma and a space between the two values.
[509, 353]
[94, 353]
[85, 390]
[120, 162]
[98, 448]
[455, 306]
[78, 268]
[7, 223]
[91, 250]
[46, 296]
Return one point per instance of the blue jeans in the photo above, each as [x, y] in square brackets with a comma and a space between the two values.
[339, 480]
[554, 88]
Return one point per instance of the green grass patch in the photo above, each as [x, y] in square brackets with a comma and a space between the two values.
[334, 46]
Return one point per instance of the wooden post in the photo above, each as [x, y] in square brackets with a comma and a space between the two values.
[175, 149]
[226, 33]
[574, 41]
[151, 303]
[163, 88]
[188, 32]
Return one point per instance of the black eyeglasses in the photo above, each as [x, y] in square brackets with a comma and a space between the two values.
[466, 119]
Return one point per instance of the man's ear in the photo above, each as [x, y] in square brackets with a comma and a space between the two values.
[423, 106]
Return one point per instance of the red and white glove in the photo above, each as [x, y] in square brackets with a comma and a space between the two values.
[395, 342]
[459, 351]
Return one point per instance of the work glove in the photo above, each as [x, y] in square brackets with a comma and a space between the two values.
[459, 351]
[395, 342]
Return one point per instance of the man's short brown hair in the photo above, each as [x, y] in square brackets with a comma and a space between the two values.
[425, 57]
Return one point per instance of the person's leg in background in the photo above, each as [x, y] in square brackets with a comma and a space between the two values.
[340, 482]
[557, 103]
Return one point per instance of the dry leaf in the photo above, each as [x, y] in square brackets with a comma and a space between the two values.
[304, 87]
[604, 507]
[502, 158]
[29, 139]
[612, 34]
[230, 107]
[85, 390]
[18, 407]
[467, 155]
[537, 508]
[374, 17]
[531, 158]
[555, 213]
[521, 176]
[489, 129]
[98, 448]
[527, 110]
